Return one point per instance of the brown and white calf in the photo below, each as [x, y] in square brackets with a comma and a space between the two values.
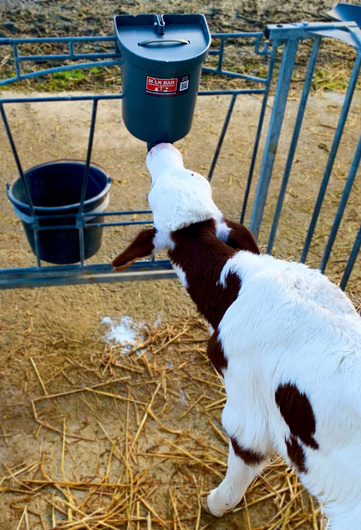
[286, 341]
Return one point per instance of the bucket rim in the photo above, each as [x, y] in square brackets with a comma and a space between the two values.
[53, 209]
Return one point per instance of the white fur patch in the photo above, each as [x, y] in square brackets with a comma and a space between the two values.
[222, 230]
[162, 241]
[179, 197]
[163, 158]
[181, 275]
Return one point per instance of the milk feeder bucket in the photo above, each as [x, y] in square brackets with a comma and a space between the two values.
[162, 60]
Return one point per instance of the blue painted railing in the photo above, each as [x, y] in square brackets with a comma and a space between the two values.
[280, 37]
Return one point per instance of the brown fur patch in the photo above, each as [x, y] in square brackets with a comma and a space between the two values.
[140, 247]
[297, 413]
[249, 457]
[240, 237]
[296, 454]
[202, 256]
[216, 354]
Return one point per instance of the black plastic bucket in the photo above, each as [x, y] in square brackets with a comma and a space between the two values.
[55, 190]
[162, 59]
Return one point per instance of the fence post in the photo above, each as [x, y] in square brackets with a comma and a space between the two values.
[279, 105]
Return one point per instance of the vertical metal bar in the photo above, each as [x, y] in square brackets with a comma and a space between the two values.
[86, 179]
[37, 249]
[16, 157]
[88, 157]
[279, 105]
[351, 260]
[16, 59]
[341, 208]
[332, 156]
[294, 141]
[81, 246]
[258, 133]
[25, 184]
[221, 54]
[71, 49]
[221, 138]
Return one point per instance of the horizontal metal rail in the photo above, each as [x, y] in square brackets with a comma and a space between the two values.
[347, 31]
[82, 273]
[282, 36]
[97, 59]
[76, 274]
[102, 59]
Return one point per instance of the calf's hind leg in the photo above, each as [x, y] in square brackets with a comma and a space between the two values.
[243, 466]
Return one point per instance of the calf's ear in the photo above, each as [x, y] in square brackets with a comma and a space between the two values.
[240, 237]
[140, 247]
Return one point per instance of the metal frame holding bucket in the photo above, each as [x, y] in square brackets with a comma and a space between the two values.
[282, 41]
[56, 191]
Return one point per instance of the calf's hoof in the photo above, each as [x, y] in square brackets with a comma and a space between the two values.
[206, 508]
[204, 505]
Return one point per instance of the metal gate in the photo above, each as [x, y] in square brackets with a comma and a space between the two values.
[278, 51]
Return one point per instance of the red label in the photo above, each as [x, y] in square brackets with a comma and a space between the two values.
[162, 86]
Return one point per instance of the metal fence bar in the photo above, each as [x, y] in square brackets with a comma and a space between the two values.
[220, 52]
[21, 77]
[306, 30]
[80, 221]
[37, 247]
[46, 40]
[17, 159]
[49, 99]
[221, 55]
[146, 271]
[279, 105]
[288, 34]
[341, 208]
[93, 225]
[77, 269]
[294, 141]
[56, 57]
[112, 38]
[222, 135]
[351, 260]
[258, 133]
[53, 99]
[16, 60]
[97, 214]
[231, 92]
[66, 56]
[99, 58]
[25, 184]
[88, 156]
[208, 70]
[332, 156]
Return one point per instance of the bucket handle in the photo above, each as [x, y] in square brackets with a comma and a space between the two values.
[163, 41]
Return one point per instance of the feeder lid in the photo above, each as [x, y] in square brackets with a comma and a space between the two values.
[164, 38]
[351, 34]
[346, 13]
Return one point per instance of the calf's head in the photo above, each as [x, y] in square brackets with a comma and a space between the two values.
[178, 198]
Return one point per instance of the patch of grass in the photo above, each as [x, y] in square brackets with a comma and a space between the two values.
[331, 79]
[95, 78]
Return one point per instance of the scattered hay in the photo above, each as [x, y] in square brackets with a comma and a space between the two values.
[133, 441]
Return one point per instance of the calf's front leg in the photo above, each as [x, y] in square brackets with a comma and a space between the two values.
[238, 477]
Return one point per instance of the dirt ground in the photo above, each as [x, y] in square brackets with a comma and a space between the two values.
[39, 18]
[134, 438]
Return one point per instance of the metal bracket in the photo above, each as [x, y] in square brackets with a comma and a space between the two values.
[348, 32]
[159, 25]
